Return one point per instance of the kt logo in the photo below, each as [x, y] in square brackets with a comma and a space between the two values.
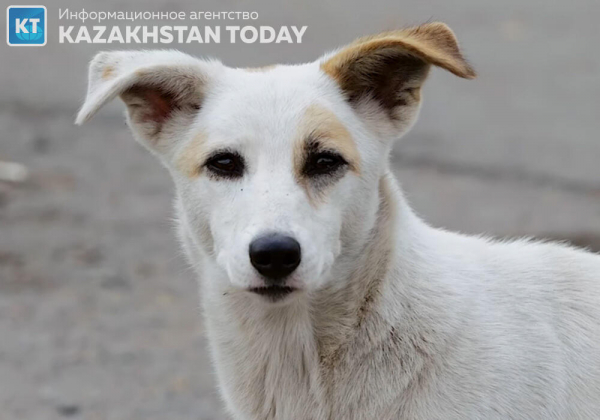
[26, 26]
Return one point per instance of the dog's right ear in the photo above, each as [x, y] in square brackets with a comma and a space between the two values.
[388, 69]
[163, 91]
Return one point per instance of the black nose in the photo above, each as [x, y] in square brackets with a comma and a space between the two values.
[275, 256]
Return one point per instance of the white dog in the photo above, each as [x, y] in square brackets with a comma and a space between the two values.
[325, 296]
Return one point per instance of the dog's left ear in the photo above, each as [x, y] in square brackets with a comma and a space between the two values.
[163, 91]
[389, 68]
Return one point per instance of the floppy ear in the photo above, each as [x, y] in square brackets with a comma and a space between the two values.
[389, 68]
[163, 91]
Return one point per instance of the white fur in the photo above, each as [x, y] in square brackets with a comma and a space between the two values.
[395, 319]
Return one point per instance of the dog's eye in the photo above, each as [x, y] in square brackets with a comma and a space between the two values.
[226, 164]
[323, 163]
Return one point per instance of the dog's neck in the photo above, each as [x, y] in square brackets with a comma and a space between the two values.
[342, 307]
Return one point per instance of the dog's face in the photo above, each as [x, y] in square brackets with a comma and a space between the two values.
[276, 168]
[268, 174]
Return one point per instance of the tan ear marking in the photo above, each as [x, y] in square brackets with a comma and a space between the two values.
[391, 67]
[108, 72]
[434, 43]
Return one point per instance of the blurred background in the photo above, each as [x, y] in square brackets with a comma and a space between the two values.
[99, 315]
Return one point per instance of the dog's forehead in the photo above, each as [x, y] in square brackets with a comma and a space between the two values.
[277, 81]
[269, 103]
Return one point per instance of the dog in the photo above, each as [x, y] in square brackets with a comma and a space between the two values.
[325, 296]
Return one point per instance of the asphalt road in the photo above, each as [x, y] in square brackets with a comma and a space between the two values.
[99, 316]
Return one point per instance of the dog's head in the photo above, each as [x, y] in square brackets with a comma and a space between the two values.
[276, 168]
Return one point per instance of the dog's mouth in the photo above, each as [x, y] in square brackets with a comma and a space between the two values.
[273, 293]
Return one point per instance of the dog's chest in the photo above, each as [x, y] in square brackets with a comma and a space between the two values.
[268, 367]
[367, 375]
[280, 373]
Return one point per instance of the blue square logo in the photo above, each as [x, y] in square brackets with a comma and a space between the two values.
[26, 26]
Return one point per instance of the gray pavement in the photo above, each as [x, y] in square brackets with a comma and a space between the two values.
[99, 316]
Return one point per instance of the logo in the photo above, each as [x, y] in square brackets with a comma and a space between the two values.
[26, 26]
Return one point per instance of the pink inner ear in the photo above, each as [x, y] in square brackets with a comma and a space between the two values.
[159, 105]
